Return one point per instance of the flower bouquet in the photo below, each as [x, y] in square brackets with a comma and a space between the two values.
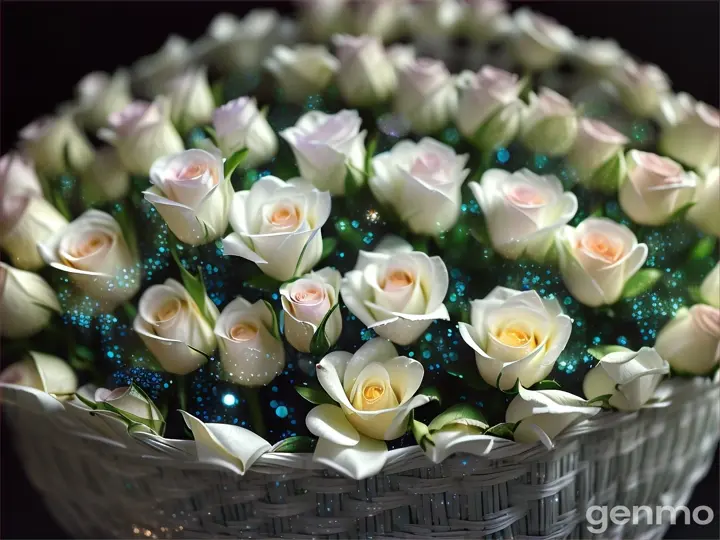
[372, 292]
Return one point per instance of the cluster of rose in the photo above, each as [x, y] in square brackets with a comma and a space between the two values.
[366, 247]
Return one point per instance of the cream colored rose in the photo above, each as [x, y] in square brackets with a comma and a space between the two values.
[191, 99]
[26, 302]
[710, 288]
[192, 194]
[380, 18]
[629, 377]
[106, 178]
[274, 221]
[595, 145]
[94, 254]
[150, 74]
[538, 42]
[433, 19]
[704, 214]
[99, 95]
[549, 124]
[396, 291]
[18, 177]
[690, 342]
[523, 211]
[239, 124]
[306, 301]
[42, 372]
[516, 336]
[173, 327]
[251, 355]
[133, 405]
[598, 56]
[51, 141]
[487, 20]
[641, 87]
[655, 188]
[322, 18]
[26, 221]
[597, 259]
[301, 71]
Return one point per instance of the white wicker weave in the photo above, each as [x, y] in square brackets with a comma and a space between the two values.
[101, 482]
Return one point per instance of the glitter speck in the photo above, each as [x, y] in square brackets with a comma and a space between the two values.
[229, 400]
[281, 411]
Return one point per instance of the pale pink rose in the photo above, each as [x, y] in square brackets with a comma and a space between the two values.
[595, 144]
[691, 341]
[18, 177]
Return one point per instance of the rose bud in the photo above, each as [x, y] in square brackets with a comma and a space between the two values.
[151, 73]
[191, 99]
[25, 221]
[629, 377]
[690, 132]
[56, 145]
[365, 76]
[301, 71]
[93, 252]
[321, 19]
[192, 194]
[106, 178]
[174, 329]
[42, 372]
[490, 108]
[327, 148]
[239, 124]
[549, 124]
[641, 87]
[142, 132]
[396, 291]
[26, 302]
[383, 19]
[133, 405]
[595, 145]
[539, 42]
[18, 177]
[599, 56]
[655, 188]
[710, 288]
[704, 214]
[306, 301]
[249, 352]
[488, 20]
[523, 211]
[99, 95]
[274, 214]
[597, 258]
[691, 341]
[422, 183]
[516, 336]
[426, 95]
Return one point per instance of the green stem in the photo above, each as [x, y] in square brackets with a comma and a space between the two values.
[181, 381]
[252, 397]
[130, 311]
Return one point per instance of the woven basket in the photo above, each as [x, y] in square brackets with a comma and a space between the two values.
[101, 482]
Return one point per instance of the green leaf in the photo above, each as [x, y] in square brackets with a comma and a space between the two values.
[695, 295]
[703, 249]
[218, 93]
[642, 281]
[431, 392]
[319, 344]
[598, 212]
[211, 134]
[263, 282]
[371, 147]
[329, 245]
[296, 445]
[316, 396]
[462, 413]
[352, 187]
[504, 430]
[194, 285]
[420, 244]
[513, 390]
[127, 226]
[609, 176]
[602, 350]
[275, 330]
[158, 426]
[296, 271]
[86, 401]
[604, 400]
[233, 161]
[547, 384]
[421, 433]
[481, 234]
[680, 213]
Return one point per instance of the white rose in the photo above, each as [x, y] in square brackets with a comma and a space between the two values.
[18, 177]
[516, 336]
[365, 76]
[595, 145]
[43, 372]
[191, 99]
[396, 291]
[132, 404]
[426, 96]
[710, 288]
[691, 341]
[538, 42]
[380, 18]
[301, 71]
[99, 95]
[327, 147]
[50, 140]
[544, 414]
[239, 124]
[306, 301]
[421, 182]
[142, 132]
[192, 194]
[490, 108]
[93, 252]
[401, 55]
[26, 221]
[106, 178]
[151, 73]
[251, 355]
[549, 124]
[173, 327]
[274, 221]
[26, 302]
[597, 259]
[599, 56]
[655, 188]
[374, 390]
[629, 377]
[704, 214]
[321, 19]
[523, 210]
[641, 87]
[488, 20]
[690, 132]
[432, 19]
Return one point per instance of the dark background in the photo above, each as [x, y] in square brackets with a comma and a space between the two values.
[46, 47]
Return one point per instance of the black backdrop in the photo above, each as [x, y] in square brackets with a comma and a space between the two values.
[46, 47]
